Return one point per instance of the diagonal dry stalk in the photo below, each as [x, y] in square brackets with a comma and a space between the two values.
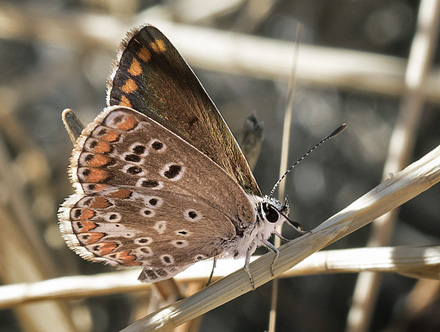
[390, 194]
[412, 261]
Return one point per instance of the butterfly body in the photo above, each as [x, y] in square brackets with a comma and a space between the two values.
[160, 181]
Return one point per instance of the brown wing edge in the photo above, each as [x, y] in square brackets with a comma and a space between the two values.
[232, 160]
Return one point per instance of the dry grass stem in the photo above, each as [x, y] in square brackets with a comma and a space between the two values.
[285, 148]
[414, 261]
[390, 194]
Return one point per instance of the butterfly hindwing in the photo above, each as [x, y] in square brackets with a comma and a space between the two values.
[163, 231]
[139, 197]
[151, 77]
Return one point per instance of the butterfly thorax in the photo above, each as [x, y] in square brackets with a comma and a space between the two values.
[269, 214]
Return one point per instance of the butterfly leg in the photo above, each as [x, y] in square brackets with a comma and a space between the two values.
[214, 264]
[246, 268]
[280, 236]
[275, 250]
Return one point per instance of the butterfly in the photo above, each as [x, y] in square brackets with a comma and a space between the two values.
[160, 182]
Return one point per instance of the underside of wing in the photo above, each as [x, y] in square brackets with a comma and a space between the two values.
[146, 197]
[151, 77]
[162, 232]
[125, 148]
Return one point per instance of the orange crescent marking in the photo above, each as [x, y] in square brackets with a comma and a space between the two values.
[86, 226]
[102, 147]
[158, 46]
[125, 102]
[111, 136]
[129, 86]
[100, 203]
[86, 214]
[144, 54]
[121, 193]
[94, 237]
[96, 175]
[135, 68]
[107, 247]
[127, 258]
[128, 123]
[98, 160]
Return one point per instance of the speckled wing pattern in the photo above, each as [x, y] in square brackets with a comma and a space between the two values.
[151, 77]
[140, 201]
[160, 181]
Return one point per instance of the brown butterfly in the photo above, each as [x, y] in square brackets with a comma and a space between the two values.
[160, 181]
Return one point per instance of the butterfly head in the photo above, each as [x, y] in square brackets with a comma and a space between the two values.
[271, 211]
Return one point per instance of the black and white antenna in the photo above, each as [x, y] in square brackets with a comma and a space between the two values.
[336, 132]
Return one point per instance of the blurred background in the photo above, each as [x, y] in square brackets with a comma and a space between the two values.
[57, 54]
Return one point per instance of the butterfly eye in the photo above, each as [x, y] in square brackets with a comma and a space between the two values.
[272, 215]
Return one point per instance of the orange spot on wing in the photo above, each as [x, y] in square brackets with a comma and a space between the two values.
[125, 102]
[121, 193]
[96, 175]
[85, 226]
[98, 160]
[100, 203]
[128, 123]
[127, 258]
[158, 46]
[144, 54]
[107, 247]
[102, 147]
[86, 214]
[135, 68]
[129, 86]
[94, 237]
[110, 136]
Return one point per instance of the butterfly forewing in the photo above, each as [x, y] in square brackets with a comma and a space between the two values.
[151, 77]
[140, 197]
